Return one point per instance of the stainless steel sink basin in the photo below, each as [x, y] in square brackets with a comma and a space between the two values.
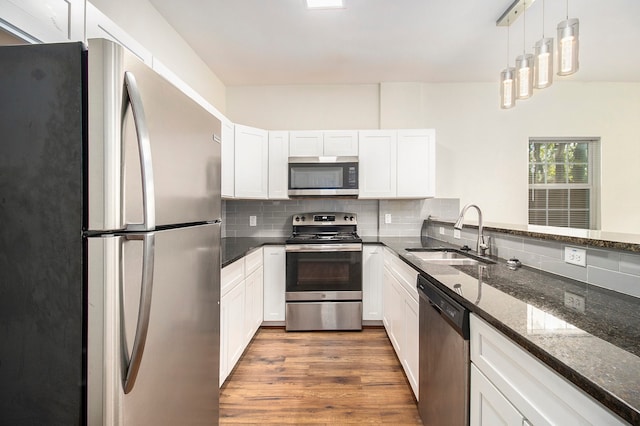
[446, 257]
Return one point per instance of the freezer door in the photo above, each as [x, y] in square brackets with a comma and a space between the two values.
[175, 380]
[153, 152]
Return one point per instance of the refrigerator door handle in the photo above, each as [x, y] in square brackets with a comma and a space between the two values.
[131, 366]
[131, 96]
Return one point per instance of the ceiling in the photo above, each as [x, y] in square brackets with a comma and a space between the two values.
[277, 42]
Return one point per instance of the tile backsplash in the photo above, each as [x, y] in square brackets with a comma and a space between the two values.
[273, 218]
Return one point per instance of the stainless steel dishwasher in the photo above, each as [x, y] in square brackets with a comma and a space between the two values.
[444, 358]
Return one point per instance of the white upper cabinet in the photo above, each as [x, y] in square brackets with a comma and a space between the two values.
[227, 159]
[305, 144]
[251, 153]
[320, 143]
[100, 26]
[397, 163]
[341, 143]
[377, 158]
[47, 21]
[416, 171]
[278, 167]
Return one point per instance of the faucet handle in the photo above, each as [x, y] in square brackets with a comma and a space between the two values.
[485, 246]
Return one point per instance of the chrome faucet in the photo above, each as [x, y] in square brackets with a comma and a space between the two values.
[482, 247]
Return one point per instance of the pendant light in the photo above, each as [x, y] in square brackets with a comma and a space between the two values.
[568, 45]
[524, 67]
[543, 53]
[507, 80]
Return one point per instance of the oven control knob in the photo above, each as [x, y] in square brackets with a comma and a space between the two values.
[303, 218]
[346, 218]
[297, 219]
[351, 218]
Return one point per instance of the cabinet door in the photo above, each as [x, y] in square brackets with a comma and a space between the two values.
[416, 163]
[253, 305]
[373, 266]
[100, 26]
[488, 407]
[49, 21]
[410, 355]
[251, 162]
[274, 283]
[278, 165]
[392, 311]
[228, 160]
[377, 150]
[232, 309]
[305, 144]
[340, 142]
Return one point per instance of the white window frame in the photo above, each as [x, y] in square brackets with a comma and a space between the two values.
[593, 184]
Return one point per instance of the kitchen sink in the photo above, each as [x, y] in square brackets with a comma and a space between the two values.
[447, 257]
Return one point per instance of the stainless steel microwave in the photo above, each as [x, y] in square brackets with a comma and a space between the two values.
[323, 176]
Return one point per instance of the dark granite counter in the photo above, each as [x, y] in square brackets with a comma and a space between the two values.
[235, 248]
[598, 349]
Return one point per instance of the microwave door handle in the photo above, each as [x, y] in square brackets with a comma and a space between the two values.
[132, 97]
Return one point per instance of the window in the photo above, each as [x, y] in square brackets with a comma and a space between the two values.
[563, 182]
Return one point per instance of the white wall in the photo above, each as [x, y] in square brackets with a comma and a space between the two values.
[164, 43]
[481, 150]
[318, 107]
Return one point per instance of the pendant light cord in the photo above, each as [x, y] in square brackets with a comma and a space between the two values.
[542, 18]
[508, 25]
[524, 29]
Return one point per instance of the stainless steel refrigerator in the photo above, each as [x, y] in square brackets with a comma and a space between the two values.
[109, 242]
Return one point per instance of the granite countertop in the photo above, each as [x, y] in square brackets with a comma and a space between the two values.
[598, 350]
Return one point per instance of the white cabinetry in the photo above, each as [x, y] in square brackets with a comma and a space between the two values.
[400, 313]
[278, 165]
[47, 21]
[541, 395]
[227, 159]
[372, 269]
[274, 284]
[251, 162]
[319, 143]
[100, 26]
[488, 406]
[241, 294]
[377, 158]
[397, 163]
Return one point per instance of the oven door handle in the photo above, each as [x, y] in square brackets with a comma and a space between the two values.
[315, 248]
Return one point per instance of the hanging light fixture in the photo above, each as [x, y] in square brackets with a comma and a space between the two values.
[543, 53]
[507, 80]
[524, 67]
[568, 45]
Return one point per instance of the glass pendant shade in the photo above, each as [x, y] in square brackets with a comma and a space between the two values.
[568, 47]
[524, 76]
[507, 88]
[543, 53]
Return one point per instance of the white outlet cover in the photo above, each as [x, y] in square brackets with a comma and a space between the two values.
[252, 220]
[575, 256]
[456, 233]
[387, 218]
[442, 230]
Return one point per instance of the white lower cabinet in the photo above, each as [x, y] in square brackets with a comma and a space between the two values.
[538, 394]
[241, 308]
[274, 284]
[372, 268]
[400, 314]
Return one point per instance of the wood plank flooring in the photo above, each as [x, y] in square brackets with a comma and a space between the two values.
[318, 378]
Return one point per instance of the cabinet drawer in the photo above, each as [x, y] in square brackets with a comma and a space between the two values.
[253, 261]
[539, 393]
[231, 276]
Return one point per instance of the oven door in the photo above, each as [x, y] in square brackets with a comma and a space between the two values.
[324, 272]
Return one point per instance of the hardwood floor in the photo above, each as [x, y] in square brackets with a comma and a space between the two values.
[318, 378]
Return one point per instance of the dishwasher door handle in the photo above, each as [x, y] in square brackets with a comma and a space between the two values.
[434, 306]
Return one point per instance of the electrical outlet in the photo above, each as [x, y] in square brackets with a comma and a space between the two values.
[456, 233]
[575, 256]
[442, 230]
[252, 221]
[387, 218]
[574, 301]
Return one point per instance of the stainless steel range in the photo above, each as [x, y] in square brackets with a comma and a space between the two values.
[324, 273]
